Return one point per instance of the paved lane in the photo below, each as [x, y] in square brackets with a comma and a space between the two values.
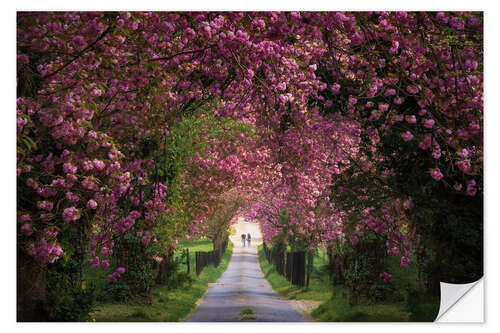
[244, 286]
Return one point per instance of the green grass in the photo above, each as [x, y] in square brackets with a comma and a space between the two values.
[335, 306]
[320, 288]
[167, 305]
[247, 314]
[201, 244]
[247, 311]
[337, 309]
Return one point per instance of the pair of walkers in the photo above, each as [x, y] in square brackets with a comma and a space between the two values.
[245, 238]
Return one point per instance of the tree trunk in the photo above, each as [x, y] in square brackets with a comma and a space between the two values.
[162, 276]
[329, 252]
[31, 288]
[217, 241]
[163, 273]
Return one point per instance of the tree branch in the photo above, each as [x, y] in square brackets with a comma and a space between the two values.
[82, 52]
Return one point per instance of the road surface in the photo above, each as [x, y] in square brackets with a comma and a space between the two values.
[243, 286]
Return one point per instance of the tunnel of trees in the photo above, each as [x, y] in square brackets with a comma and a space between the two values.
[359, 132]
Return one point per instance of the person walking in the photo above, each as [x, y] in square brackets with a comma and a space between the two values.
[243, 236]
[249, 238]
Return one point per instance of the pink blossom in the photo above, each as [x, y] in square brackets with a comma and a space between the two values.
[45, 251]
[399, 100]
[335, 88]
[92, 204]
[98, 164]
[113, 277]
[51, 233]
[385, 276]
[95, 262]
[390, 92]
[404, 262]
[394, 48]
[69, 168]
[436, 174]
[72, 197]
[134, 214]
[412, 89]
[21, 122]
[71, 214]
[89, 184]
[383, 107]
[436, 152]
[429, 123]
[464, 166]
[146, 239]
[26, 229]
[471, 189]
[157, 258]
[281, 86]
[408, 204]
[411, 119]
[46, 205]
[407, 136]
[426, 143]
[463, 153]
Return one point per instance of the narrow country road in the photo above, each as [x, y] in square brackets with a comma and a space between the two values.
[244, 286]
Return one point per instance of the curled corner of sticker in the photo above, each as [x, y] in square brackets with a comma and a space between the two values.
[461, 303]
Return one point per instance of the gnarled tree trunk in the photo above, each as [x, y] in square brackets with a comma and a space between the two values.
[31, 288]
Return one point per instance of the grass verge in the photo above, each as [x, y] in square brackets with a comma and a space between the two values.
[167, 305]
[337, 309]
[335, 306]
[319, 287]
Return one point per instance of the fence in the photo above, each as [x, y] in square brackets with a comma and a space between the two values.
[214, 257]
[188, 264]
[295, 266]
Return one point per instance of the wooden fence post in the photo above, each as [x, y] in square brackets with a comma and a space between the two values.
[301, 271]
[198, 262]
[310, 263]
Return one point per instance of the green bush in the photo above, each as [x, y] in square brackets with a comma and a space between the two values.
[422, 307]
[176, 278]
[385, 292]
[140, 273]
[114, 292]
[67, 299]
[359, 277]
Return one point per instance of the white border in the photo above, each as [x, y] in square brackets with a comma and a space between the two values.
[7, 165]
